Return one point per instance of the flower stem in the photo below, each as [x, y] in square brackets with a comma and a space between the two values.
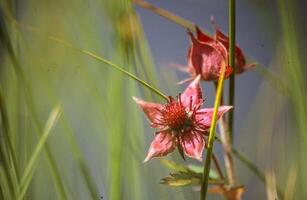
[232, 43]
[90, 54]
[204, 185]
[155, 90]
[217, 166]
[227, 146]
[251, 166]
[167, 14]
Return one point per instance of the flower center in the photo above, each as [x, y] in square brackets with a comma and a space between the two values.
[175, 116]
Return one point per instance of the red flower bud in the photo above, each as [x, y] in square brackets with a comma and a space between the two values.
[207, 55]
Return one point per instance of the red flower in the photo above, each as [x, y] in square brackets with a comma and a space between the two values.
[207, 55]
[240, 62]
[180, 122]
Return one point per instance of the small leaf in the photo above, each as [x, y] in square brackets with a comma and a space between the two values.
[196, 168]
[174, 166]
[187, 175]
[181, 179]
[199, 169]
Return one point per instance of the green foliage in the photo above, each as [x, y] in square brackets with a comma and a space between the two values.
[28, 172]
[100, 137]
[182, 179]
[187, 175]
[56, 53]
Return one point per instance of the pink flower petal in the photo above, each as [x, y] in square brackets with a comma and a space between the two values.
[151, 110]
[221, 36]
[193, 144]
[240, 61]
[202, 36]
[192, 94]
[204, 116]
[207, 57]
[195, 58]
[163, 143]
[212, 64]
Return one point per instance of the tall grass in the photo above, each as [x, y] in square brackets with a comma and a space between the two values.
[96, 147]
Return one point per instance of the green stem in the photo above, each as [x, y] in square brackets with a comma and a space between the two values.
[232, 43]
[167, 14]
[28, 98]
[226, 144]
[28, 172]
[90, 54]
[251, 166]
[218, 167]
[205, 179]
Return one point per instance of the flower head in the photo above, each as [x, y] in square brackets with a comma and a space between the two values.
[240, 61]
[180, 123]
[207, 55]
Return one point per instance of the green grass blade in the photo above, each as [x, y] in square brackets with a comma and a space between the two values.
[5, 38]
[231, 60]
[205, 179]
[103, 60]
[27, 175]
[293, 69]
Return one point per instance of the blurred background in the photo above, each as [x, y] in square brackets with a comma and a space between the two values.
[95, 148]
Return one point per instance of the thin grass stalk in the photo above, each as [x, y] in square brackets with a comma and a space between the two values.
[205, 178]
[5, 165]
[28, 172]
[90, 54]
[293, 69]
[291, 182]
[158, 92]
[7, 154]
[5, 184]
[227, 132]
[96, 57]
[6, 133]
[66, 44]
[218, 167]
[1, 192]
[227, 146]
[251, 166]
[19, 73]
[232, 43]
[51, 160]
[228, 159]
[70, 135]
[165, 13]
